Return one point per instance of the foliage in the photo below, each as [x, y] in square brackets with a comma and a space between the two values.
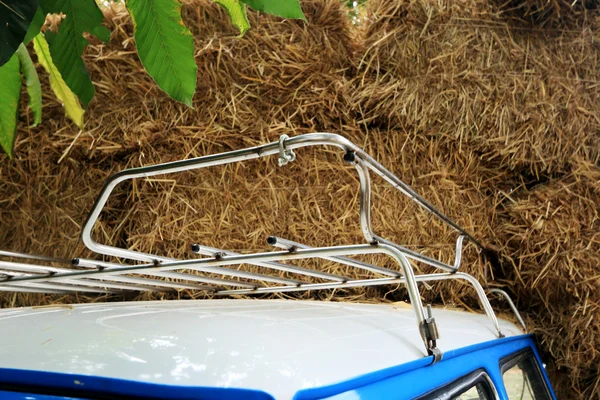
[281, 8]
[10, 87]
[237, 14]
[61, 89]
[165, 47]
[32, 81]
[15, 17]
[68, 44]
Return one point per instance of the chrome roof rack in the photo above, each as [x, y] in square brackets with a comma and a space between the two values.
[158, 273]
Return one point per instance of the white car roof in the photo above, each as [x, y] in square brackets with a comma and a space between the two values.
[277, 346]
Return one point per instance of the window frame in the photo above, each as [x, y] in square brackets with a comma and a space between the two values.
[513, 359]
[461, 385]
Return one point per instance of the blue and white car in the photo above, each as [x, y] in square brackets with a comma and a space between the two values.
[260, 349]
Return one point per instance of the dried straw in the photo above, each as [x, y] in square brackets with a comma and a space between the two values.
[553, 239]
[523, 97]
[467, 104]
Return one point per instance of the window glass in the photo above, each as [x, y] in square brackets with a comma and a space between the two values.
[523, 379]
[475, 386]
[477, 392]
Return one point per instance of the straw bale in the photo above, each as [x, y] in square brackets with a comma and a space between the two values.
[549, 13]
[457, 128]
[278, 75]
[525, 98]
[552, 233]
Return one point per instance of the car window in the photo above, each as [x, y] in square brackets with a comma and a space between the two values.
[477, 392]
[522, 377]
[474, 386]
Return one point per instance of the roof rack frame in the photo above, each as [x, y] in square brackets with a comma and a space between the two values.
[160, 273]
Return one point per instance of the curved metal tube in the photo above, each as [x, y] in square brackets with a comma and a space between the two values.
[288, 244]
[313, 139]
[367, 229]
[485, 303]
[162, 266]
[365, 201]
[458, 254]
[512, 306]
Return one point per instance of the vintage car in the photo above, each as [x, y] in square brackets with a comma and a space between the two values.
[232, 348]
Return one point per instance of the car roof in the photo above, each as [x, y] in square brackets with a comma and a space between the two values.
[277, 346]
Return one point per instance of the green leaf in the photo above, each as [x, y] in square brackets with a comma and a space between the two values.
[36, 24]
[15, 17]
[65, 95]
[102, 33]
[68, 44]
[281, 8]
[237, 14]
[34, 89]
[10, 87]
[165, 46]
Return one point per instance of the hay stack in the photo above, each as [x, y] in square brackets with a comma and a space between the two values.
[281, 78]
[523, 97]
[422, 100]
[282, 75]
[549, 13]
[553, 238]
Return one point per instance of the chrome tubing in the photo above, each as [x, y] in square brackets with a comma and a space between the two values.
[82, 262]
[291, 245]
[10, 267]
[512, 306]
[25, 289]
[366, 227]
[484, 302]
[21, 269]
[65, 284]
[459, 250]
[313, 139]
[207, 263]
[365, 200]
[214, 252]
[15, 254]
